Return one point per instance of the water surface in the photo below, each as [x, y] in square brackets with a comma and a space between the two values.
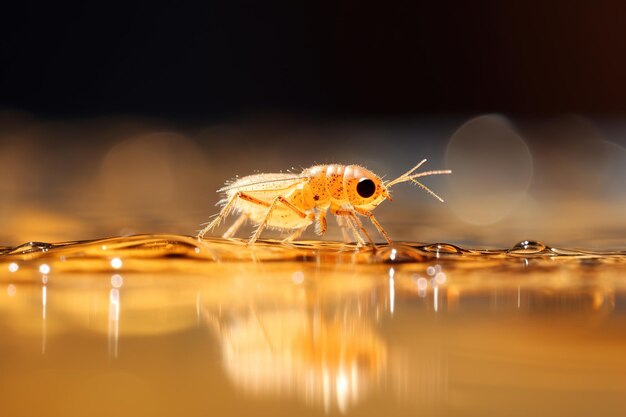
[164, 325]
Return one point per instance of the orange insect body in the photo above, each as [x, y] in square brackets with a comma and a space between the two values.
[294, 201]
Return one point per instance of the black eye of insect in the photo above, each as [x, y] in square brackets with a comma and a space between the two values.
[365, 187]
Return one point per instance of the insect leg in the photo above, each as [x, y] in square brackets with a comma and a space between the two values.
[355, 224]
[268, 214]
[235, 226]
[321, 225]
[346, 223]
[342, 226]
[375, 223]
[296, 234]
[226, 210]
[351, 216]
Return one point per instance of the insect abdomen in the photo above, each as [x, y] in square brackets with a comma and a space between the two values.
[315, 190]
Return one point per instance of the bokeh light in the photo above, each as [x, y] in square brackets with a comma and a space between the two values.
[492, 169]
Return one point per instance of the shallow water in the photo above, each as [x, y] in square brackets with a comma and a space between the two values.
[164, 325]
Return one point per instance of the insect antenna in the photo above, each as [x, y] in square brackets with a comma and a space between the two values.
[403, 177]
[425, 188]
[410, 176]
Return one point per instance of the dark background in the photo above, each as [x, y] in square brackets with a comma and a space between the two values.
[344, 58]
[118, 120]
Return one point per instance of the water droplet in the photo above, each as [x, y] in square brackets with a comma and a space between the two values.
[31, 247]
[527, 246]
[398, 254]
[442, 248]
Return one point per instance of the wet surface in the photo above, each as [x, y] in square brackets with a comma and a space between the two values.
[164, 325]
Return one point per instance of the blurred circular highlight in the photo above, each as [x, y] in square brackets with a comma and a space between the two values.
[491, 167]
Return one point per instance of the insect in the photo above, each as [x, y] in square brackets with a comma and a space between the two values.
[293, 201]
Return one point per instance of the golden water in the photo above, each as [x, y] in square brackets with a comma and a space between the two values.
[163, 325]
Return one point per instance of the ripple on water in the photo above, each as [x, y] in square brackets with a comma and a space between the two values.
[174, 252]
